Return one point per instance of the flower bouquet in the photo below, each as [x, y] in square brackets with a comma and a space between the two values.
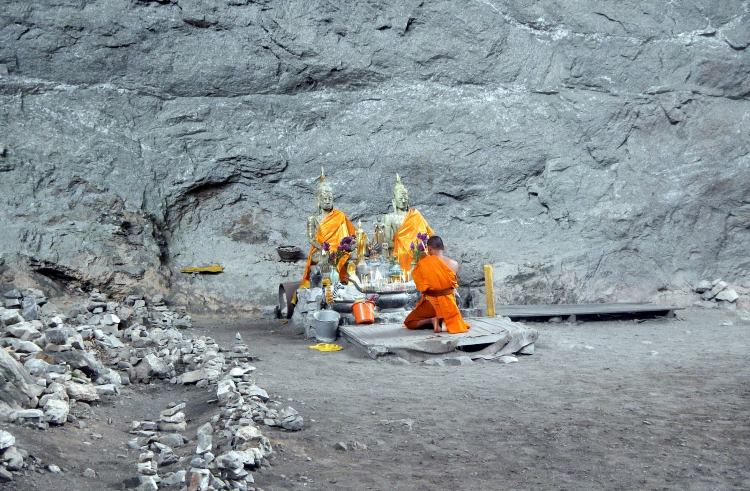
[345, 247]
[419, 248]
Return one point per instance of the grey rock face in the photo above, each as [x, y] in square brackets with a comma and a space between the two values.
[582, 148]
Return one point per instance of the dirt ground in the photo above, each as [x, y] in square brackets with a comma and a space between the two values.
[660, 404]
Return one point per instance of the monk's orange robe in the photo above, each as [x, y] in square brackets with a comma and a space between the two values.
[334, 227]
[437, 282]
[414, 223]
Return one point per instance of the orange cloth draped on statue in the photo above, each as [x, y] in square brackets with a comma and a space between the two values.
[334, 227]
[437, 281]
[414, 223]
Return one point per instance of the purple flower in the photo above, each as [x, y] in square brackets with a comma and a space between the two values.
[411, 246]
[422, 236]
[326, 246]
[421, 246]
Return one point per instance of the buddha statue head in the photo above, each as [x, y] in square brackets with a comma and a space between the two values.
[324, 193]
[400, 196]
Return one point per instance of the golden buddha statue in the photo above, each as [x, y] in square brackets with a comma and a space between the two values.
[378, 237]
[327, 225]
[361, 236]
[401, 227]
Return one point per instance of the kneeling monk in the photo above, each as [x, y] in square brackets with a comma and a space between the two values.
[435, 277]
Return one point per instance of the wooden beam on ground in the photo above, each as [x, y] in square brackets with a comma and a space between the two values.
[582, 310]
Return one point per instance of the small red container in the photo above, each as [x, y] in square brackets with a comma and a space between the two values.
[364, 312]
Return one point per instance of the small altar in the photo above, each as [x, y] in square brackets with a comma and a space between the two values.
[391, 306]
[489, 338]
[349, 279]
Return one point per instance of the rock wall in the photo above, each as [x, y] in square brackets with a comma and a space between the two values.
[589, 150]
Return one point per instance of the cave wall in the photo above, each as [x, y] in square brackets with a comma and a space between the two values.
[589, 150]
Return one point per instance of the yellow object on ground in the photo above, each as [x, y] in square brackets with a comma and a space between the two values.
[212, 268]
[489, 290]
[326, 347]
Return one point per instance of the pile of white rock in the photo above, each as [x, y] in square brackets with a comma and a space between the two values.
[228, 446]
[53, 362]
[720, 293]
[53, 359]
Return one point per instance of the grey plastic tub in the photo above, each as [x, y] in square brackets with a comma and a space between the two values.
[326, 325]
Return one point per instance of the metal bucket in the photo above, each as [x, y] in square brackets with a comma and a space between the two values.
[326, 325]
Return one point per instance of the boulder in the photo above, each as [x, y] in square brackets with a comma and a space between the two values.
[246, 435]
[63, 336]
[290, 419]
[110, 320]
[82, 391]
[727, 295]
[25, 330]
[17, 388]
[13, 293]
[173, 427]
[107, 390]
[193, 376]
[20, 346]
[81, 360]
[255, 391]
[33, 415]
[718, 286]
[173, 478]
[205, 437]
[36, 366]
[56, 411]
[151, 366]
[13, 459]
[12, 303]
[236, 459]
[9, 317]
[6, 440]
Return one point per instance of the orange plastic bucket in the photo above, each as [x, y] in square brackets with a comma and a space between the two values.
[364, 312]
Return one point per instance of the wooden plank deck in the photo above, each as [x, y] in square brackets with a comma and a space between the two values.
[591, 309]
[486, 334]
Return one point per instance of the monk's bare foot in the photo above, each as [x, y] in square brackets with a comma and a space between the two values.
[436, 325]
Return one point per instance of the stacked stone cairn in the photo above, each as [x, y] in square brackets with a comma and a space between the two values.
[53, 366]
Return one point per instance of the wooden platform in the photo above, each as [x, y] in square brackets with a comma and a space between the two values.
[516, 312]
[489, 337]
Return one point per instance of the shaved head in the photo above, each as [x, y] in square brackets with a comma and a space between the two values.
[435, 242]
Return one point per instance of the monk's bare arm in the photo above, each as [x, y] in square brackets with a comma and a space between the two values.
[450, 263]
